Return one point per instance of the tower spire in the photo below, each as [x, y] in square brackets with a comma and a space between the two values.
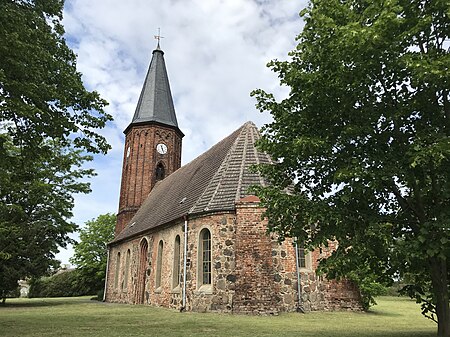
[152, 141]
[155, 103]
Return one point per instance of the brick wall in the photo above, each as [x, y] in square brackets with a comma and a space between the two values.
[251, 272]
[139, 164]
[267, 275]
[256, 289]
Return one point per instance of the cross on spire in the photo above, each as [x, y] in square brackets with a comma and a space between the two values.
[158, 37]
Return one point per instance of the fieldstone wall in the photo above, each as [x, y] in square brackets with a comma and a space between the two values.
[251, 272]
[266, 272]
[122, 291]
[216, 297]
[168, 294]
[219, 296]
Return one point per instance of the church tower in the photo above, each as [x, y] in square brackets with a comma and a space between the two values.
[152, 142]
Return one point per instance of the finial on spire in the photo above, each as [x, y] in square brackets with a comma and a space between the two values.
[158, 37]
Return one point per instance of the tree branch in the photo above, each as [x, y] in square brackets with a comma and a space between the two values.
[404, 203]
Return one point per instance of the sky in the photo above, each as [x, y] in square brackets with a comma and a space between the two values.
[216, 52]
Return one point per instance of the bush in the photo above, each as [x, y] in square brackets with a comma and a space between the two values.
[395, 289]
[63, 284]
[12, 293]
[100, 295]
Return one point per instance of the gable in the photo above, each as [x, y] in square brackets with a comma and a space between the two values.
[212, 182]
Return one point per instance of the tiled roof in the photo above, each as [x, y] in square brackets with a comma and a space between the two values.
[214, 181]
[155, 102]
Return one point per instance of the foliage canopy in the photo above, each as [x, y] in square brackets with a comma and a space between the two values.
[90, 255]
[48, 127]
[364, 138]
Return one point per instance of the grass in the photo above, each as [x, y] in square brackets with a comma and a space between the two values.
[393, 317]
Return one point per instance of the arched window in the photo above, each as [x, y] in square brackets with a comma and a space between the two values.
[116, 277]
[204, 251]
[160, 172]
[127, 271]
[176, 263]
[142, 272]
[159, 264]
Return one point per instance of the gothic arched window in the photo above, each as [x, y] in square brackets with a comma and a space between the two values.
[205, 257]
[127, 271]
[160, 172]
[159, 264]
[117, 274]
[176, 262]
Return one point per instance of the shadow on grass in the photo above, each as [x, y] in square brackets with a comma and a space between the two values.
[377, 313]
[44, 302]
[395, 334]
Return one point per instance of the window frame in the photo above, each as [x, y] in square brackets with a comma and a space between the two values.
[303, 255]
[126, 271]
[159, 258]
[202, 285]
[117, 271]
[160, 171]
[176, 269]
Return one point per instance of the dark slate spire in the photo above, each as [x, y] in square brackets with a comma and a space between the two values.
[155, 102]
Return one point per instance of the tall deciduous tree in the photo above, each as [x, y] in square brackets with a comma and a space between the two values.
[48, 124]
[364, 138]
[91, 253]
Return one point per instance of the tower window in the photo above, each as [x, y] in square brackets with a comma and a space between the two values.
[160, 171]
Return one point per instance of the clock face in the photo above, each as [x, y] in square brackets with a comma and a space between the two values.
[161, 148]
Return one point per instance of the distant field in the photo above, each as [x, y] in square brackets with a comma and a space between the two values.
[393, 317]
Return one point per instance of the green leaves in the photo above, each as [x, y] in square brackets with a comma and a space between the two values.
[91, 252]
[41, 92]
[48, 124]
[364, 139]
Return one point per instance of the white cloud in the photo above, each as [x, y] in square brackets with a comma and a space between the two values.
[216, 53]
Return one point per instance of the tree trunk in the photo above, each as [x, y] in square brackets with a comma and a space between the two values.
[439, 281]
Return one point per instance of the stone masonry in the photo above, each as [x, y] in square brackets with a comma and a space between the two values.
[251, 272]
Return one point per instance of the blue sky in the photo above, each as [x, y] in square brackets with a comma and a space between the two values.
[216, 53]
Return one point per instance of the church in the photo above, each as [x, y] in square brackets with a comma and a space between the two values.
[193, 237]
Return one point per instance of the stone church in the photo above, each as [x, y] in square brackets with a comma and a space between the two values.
[192, 237]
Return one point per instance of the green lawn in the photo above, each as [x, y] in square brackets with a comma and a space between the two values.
[393, 317]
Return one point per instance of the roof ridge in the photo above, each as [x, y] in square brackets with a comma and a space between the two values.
[255, 151]
[211, 182]
[241, 170]
[222, 168]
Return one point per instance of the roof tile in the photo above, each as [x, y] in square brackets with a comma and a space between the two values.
[214, 181]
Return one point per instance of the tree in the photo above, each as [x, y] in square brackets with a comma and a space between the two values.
[48, 124]
[90, 255]
[64, 283]
[363, 138]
